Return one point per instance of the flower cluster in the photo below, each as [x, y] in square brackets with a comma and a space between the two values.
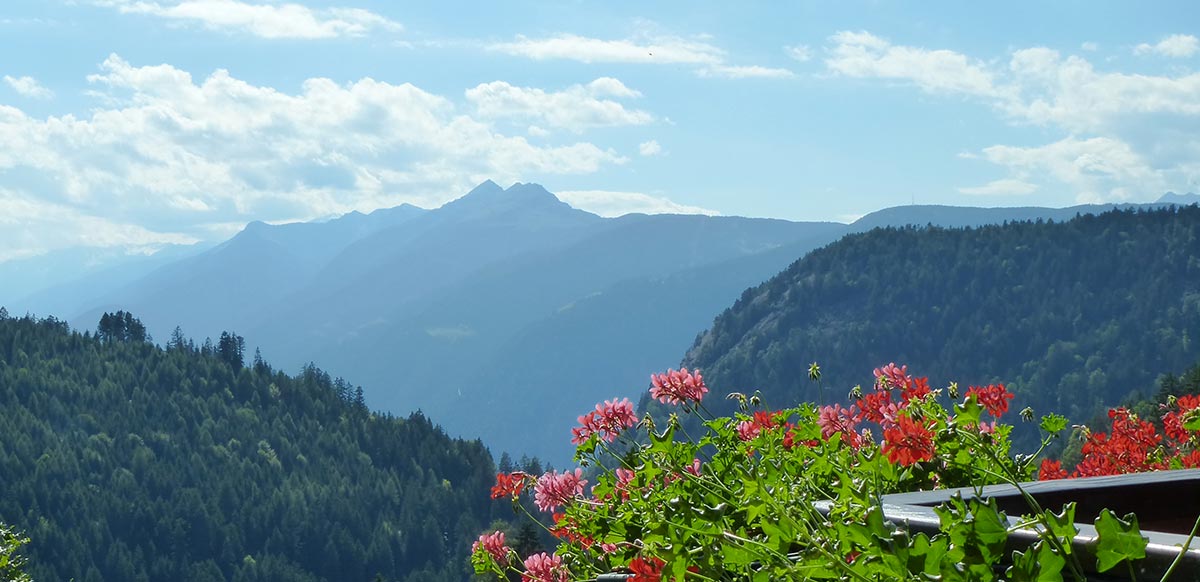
[654, 514]
[892, 376]
[678, 387]
[908, 442]
[1185, 407]
[1134, 445]
[555, 490]
[607, 420]
[762, 420]
[493, 544]
[509, 484]
[993, 398]
[836, 419]
[545, 567]
[644, 570]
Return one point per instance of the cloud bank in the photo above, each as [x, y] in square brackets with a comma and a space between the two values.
[1121, 132]
[193, 157]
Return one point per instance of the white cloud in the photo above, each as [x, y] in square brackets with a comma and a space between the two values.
[1097, 169]
[707, 59]
[610, 204]
[1176, 45]
[165, 149]
[28, 87]
[1003, 187]
[1090, 46]
[799, 52]
[577, 108]
[268, 20]
[864, 55]
[660, 50]
[29, 226]
[1070, 93]
[649, 148]
[1125, 133]
[744, 72]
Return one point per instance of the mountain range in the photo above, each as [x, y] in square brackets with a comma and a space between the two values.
[503, 314]
[1074, 316]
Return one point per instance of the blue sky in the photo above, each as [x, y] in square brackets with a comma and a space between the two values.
[136, 123]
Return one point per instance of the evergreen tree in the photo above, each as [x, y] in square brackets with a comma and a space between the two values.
[230, 349]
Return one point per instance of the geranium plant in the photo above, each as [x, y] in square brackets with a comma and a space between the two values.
[795, 493]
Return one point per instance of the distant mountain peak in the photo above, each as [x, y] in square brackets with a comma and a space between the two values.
[490, 197]
[485, 188]
[530, 191]
[1173, 198]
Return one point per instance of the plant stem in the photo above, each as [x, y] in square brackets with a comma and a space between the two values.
[1183, 551]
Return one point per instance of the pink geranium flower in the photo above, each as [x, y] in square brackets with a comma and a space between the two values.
[494, 544]
[678, 387]
[558, 489]
[607, 420]
[544, 567]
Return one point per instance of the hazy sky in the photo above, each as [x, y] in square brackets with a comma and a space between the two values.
[139, 122]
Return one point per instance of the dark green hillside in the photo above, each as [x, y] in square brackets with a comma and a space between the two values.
[125, 461]
[1072, 316]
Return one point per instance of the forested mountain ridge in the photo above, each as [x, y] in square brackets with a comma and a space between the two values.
[1071, 316]
[426, 311]
[126, 461]
[964, 216]
[471, 309]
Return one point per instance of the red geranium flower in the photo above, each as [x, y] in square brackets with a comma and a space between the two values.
[993, 397]
[908, 442]
[1051, 470]
[508, 485]
[917, 390]
[646, 570]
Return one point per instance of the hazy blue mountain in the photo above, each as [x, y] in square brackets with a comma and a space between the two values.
[606, 356]
[64, 282]
[426, 308]
[477, 349]
[243, 279]
[1184, 199]
[504, 306]
[384, 278]
[967, 216]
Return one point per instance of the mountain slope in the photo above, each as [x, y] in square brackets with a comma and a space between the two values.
[421, 311]
[964, 216]
[68, 281]
[242, 279]
[602, 346]
[125, 461]
[1072, 316]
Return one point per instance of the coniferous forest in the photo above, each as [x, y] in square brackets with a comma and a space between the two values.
[1073, 316]
[123, 460]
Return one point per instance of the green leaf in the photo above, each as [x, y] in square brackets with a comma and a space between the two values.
[1120, 540]
[969, 412]
[1054, 423]
[1191, 420]
[991, 528]
[1062, 525]
[1040, 564]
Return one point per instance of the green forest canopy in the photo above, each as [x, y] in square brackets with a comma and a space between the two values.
[122, 460]
[1072, 316]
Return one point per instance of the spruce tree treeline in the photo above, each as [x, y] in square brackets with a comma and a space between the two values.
[1073, 316]
[122, 460]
